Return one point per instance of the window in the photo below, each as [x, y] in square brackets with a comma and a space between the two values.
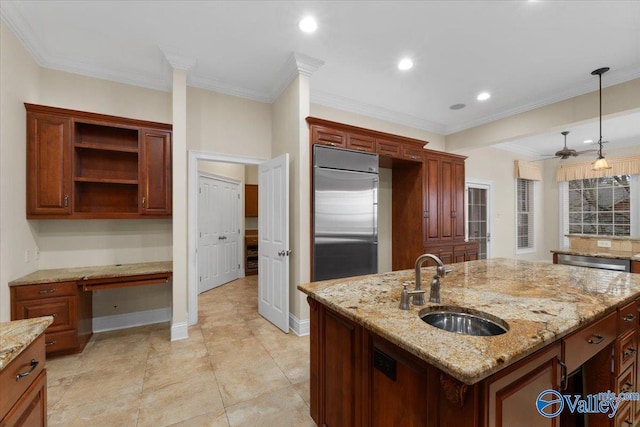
[600, 206]
[524, 212]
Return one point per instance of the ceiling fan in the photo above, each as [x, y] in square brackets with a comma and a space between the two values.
[567, 152]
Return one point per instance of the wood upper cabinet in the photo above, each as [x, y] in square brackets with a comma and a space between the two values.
[251, 200]
[48, 165]
[84, 165]
[155, 172]
[444, 187]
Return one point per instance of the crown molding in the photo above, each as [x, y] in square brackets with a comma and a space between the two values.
[20, 27]
[520, 150]
[374, 111]
[215, 85]
[296, 64]
[586, 86]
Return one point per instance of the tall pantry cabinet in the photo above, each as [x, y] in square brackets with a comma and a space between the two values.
[87, 165]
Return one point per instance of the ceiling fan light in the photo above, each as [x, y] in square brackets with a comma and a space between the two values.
[601, 164]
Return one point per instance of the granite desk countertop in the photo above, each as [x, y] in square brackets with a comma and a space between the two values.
[610, 254]
[15, 336]
[541, 302]
[97, 272]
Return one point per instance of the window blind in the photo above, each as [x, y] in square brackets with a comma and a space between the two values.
[524, 212]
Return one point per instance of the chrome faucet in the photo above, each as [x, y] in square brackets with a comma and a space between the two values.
[434, 296]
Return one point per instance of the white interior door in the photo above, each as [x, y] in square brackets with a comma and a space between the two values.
[273, 241]
[218, 232]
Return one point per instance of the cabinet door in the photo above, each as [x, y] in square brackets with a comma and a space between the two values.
[361, 143]
[31, 409]
[340, 348]
[155, 172]
[251, 200]
[430, 189]
[399, 389]
[447, 208]
[512, 393]
[457, 200]
[48, 165]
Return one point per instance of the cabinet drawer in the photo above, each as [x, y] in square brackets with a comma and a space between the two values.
[626, 348]
[624, 415]
[388, 148]
[626, 381]
[59, 341]
[62, 309]
[627, 317]
[411, 152]
[29, 363]
[361, 143]
[326, 136]
[47, 290]
[581, 346]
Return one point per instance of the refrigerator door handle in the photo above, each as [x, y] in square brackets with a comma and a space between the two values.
[375, 210]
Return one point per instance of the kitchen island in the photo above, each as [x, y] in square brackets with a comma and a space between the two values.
[372, 363]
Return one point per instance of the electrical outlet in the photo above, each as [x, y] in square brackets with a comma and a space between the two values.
[604, 243]
[26, 255]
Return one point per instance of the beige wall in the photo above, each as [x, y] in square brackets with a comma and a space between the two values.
[496, 166]
[226, 124]
[18, 84]
[618, 99]
[435, 141]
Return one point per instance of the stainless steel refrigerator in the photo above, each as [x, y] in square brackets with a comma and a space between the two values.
[345, 213]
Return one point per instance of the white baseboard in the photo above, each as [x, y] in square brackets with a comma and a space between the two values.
[299, 327]
[179, 331]
[129, 320]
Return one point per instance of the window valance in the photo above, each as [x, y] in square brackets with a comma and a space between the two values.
[527, 170]
[627, 165]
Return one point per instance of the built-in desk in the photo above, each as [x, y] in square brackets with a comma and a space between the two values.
[65, 294]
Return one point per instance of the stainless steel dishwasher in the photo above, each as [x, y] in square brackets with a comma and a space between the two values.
[595, 262]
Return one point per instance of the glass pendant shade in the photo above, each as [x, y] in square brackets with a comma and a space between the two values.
[601, 164]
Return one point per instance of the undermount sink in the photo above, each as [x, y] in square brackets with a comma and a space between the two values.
[463, 321]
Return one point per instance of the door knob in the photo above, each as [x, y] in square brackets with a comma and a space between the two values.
[281, 253]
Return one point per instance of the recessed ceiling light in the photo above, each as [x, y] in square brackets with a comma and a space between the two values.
[405, 64]
[588, 141]
[457, 106]
[483, 96]
[308, 25]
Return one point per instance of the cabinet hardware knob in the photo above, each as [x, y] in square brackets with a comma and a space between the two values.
[629, 318]
[629, 352]
[34, 365]
[627, 387]
[598, 339]
[144, 199]
[66, 200]
[47, 344]
[47, 291]
[52, 315]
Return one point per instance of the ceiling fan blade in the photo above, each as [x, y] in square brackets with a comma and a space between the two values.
[590, 150]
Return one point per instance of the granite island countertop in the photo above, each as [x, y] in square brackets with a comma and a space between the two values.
[96, 272]
[15, 336]
[609, 254]
[541, 302]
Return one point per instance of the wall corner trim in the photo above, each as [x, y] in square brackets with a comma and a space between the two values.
[301, 327]
[297, 64]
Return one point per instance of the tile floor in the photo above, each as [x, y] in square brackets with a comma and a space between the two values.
[236, 369]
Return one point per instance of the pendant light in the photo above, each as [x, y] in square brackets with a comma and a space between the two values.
[600, 163]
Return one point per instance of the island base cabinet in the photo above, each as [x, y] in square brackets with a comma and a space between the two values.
[31, 409]
[359, 379]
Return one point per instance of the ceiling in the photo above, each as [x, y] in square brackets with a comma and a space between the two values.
[525, 53]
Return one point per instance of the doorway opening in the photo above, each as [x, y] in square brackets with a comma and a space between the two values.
[195, 159]
[478, 201]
